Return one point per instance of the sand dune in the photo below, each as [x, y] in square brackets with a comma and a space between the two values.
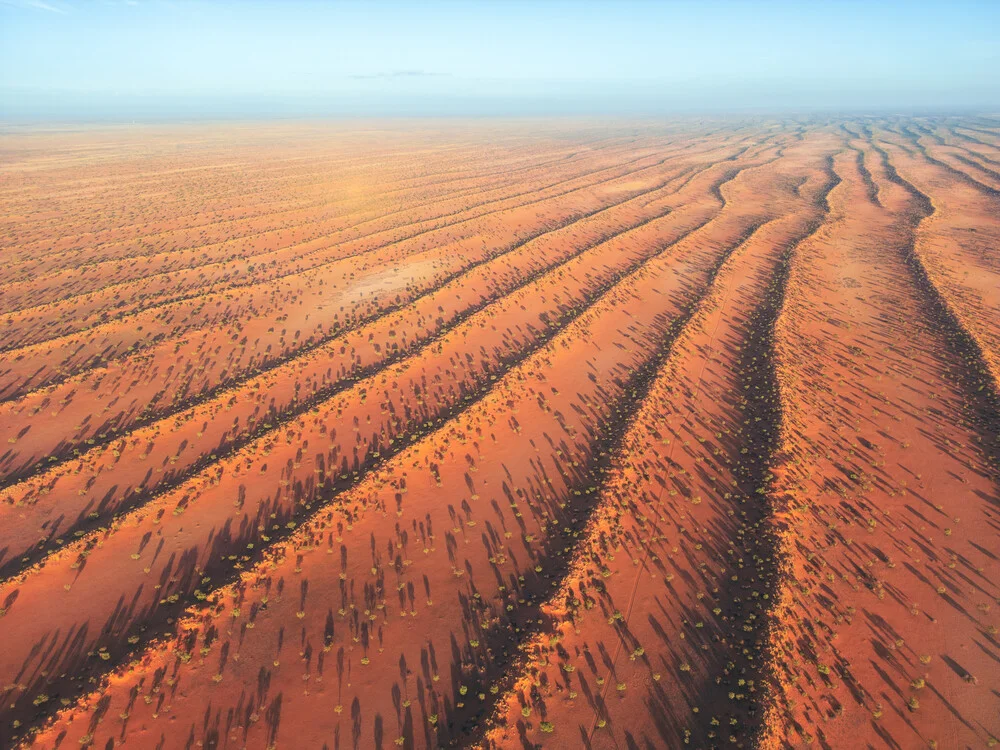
[501, 435]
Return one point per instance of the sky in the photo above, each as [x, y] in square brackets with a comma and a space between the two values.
[153, 59]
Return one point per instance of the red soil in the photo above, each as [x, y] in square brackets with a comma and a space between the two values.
[888, 511]
[502, 436]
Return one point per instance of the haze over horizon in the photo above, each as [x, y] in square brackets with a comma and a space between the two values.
[518, 375]
[173, 59]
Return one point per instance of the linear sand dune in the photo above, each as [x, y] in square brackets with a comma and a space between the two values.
[500, 435]
[114, 340]
[121, 415]
[646, 576]
[214, 426]
[279, 482]
[161, 278]
[886, 502]
[956, 245]
[37, 366]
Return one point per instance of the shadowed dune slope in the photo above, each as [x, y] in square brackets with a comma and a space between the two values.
[501, 435]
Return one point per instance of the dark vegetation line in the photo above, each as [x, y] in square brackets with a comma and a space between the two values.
[970, 371]
[975, 154]
[275, 420]
[731, 598]
[871, 189]
[418, 184]
[987, 129]
[18, 392]
[976, 165]
[928, 132]
[761, 427]
[607, 454]
[450, 196]
[313, 204]
[145, 627]
[746, 603]
[508, 658]
[967, 157]
[53, 379]
[277, 208]
[689, 174]
[113, 432]
[799, 133]
[955, 130]
[224, 287]
[924, 206]
[903, 143]
[965, 177]
[200, 263]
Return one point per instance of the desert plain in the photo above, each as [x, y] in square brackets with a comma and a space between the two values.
[501, 434]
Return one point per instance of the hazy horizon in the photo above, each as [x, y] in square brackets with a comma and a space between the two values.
[177, 59]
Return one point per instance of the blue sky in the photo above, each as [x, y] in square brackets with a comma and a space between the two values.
[118, 59]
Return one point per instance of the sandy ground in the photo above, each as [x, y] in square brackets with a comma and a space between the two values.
[501, 435]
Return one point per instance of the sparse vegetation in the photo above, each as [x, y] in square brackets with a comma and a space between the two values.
[642, 415]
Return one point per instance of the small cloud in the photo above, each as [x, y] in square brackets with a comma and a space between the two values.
[33, 5]
[395, 74]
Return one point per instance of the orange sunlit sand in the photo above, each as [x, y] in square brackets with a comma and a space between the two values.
[445, 434]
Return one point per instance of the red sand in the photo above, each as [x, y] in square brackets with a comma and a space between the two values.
[500, 435]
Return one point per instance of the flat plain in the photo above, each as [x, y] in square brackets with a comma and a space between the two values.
[501, 434]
